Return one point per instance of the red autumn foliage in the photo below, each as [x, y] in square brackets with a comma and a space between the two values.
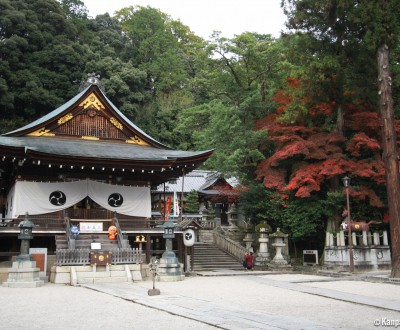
[361, 141]
[323, 108]
[305, 158]
[226, 193]
[368, 122]
[364, 193]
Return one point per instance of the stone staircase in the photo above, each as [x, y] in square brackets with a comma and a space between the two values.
[84, 241]
[208, 257]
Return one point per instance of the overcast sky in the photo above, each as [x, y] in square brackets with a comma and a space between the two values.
[231, 17]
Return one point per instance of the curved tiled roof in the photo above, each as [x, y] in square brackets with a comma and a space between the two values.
[94, 149]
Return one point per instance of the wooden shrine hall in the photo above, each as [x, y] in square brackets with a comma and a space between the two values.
[85, 165]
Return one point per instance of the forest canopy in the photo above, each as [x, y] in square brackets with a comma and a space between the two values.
[289, 116]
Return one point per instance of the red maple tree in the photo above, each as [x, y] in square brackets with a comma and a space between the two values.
[303, 156]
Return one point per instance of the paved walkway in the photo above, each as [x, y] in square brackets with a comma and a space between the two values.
[227, 300]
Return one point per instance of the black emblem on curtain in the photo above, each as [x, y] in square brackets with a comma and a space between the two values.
[57, 198]
[115, 200]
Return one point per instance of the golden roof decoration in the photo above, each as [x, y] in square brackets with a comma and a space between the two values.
[92, 100]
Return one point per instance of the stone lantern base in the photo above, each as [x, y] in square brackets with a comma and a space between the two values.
[169, 269]
[279, 267]
[23, 274]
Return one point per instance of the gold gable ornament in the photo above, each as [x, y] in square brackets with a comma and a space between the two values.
[136, 140]
[64, 119]
[92, 100]
[41, 132]
[92, 138]
[116, 123]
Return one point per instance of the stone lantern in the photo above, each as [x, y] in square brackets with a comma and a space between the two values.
[24, 273]
[169, 268]
[263, 256]
[278, 242]
[25, 235]
[169, 234]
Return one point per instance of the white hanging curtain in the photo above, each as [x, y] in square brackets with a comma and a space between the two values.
[133, 201]
[10, 203]
[45, 197]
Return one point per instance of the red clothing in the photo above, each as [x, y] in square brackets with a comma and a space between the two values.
[249, 261]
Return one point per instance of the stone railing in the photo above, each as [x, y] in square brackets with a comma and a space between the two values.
[371, 251]
[228, 245]
[66, 257]
[208, 224]
[363, 239]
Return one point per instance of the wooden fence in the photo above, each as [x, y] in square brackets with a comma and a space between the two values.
[65, 257]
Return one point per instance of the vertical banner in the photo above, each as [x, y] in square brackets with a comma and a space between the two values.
[168, 208]
[176, 205]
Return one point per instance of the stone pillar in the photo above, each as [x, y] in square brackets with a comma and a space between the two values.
[369, 238]
[376, 239]
[364, 238]
[341, 238]
[385, 238]
[354, 238]
[328, 239]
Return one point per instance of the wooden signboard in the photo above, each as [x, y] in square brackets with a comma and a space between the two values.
[91, 227]
[40, 256]
[100, 258]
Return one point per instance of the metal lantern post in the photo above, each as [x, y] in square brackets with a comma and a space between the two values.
[346, 183]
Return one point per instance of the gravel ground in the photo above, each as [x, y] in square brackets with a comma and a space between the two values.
[249, 292]
[66, 307]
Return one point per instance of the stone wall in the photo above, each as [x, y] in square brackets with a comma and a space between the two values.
[205, 236]
[371, 251]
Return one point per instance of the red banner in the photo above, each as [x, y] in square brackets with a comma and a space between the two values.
[168, 208]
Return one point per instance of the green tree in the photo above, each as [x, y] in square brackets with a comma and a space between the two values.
[192, 202]
[171, 56]
[239, 80]
[353, 33]
[40, 59]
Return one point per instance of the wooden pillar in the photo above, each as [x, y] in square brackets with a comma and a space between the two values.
[148, 248]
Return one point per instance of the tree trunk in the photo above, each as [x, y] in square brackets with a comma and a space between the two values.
[340, 120]
[390, 157]
[333, 222]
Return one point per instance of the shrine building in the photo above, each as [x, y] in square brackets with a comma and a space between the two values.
[86, 165]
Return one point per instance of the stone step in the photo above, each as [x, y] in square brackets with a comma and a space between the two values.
[208, 257]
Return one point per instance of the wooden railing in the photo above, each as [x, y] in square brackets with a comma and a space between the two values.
[226, 244]
[122, 240]
[40, 223]
[81, 257]
[66, 257]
